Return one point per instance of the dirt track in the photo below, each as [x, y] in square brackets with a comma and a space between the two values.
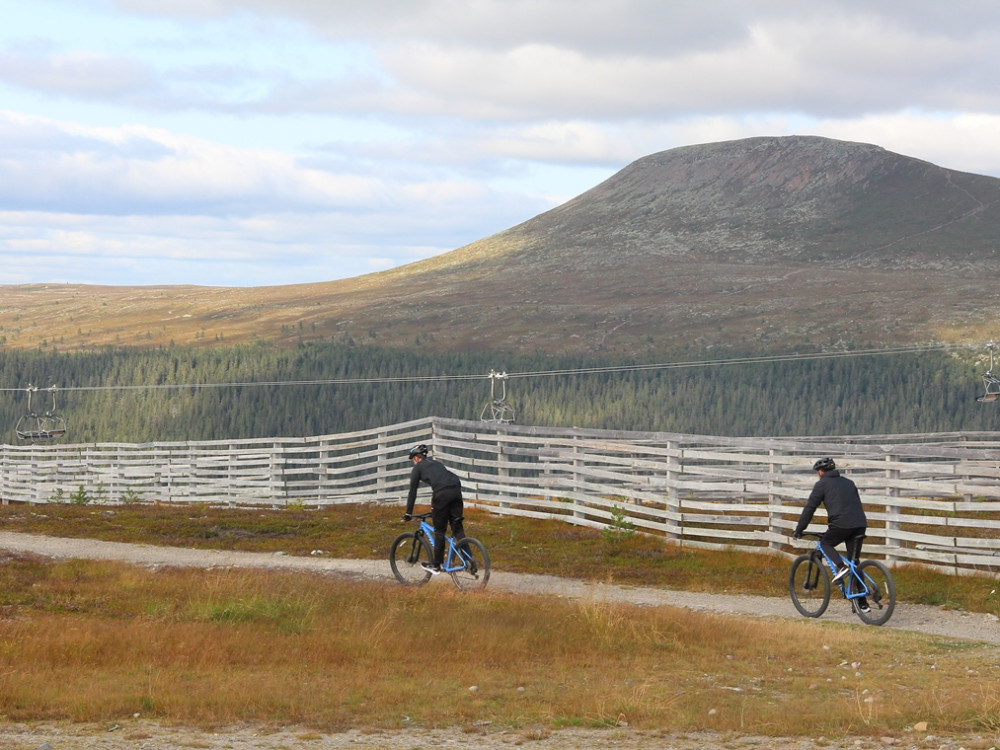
[931, 620]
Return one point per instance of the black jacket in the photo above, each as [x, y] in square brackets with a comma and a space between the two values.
[433, 473]
[839, 495]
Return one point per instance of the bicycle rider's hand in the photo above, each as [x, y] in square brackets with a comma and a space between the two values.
[407, 517]
[796, 535]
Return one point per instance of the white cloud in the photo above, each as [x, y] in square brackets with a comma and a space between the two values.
[83, 74]
[143, 170]
[252, 141]
[83, 200]
[503, 59]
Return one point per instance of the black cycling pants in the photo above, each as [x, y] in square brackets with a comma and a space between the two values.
[834, 536]
[446, 508]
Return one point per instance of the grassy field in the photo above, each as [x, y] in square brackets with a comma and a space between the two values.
[96, 641]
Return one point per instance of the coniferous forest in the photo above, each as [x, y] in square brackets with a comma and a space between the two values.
[259, 390]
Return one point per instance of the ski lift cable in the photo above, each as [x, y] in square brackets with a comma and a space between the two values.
[736, 361]
[265, 383]
[505, 375]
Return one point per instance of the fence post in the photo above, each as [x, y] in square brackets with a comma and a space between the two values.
[322, 457]
[3, 475]
[35, 470]
[382, 466]
[186, 487]
[166, 474]
[547, 479]
[277, 473]
[503, 470]
[673, 496]
[233, 480]
[117, 476]
[574, 479]
[88, 473]
[774, 502]
[891, 515]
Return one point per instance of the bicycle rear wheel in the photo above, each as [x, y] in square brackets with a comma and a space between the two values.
[809, 585]
[881, 593]
[475, 572]
[405, 555]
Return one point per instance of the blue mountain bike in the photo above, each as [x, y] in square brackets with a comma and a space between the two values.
[868, 586]
[466, 561]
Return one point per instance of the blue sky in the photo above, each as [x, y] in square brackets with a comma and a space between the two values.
[260, 142]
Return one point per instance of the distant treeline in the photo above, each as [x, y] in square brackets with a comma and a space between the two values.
[137, 398]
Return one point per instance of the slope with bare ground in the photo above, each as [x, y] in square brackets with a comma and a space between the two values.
[766, 243]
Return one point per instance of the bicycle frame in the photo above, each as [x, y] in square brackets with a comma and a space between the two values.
[451, 551]
[846, 586]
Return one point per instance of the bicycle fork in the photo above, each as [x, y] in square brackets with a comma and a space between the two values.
[418, 542]
[814, 572]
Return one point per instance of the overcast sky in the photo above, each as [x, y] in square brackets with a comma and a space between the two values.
[259, 142]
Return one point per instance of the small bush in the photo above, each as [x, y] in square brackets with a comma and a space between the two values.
[80, 497]
[131, 497]
[620, 529]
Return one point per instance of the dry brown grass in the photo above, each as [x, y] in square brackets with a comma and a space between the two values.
[95, 641]
[74, 317]
[446, 306]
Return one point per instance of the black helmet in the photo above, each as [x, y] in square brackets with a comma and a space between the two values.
[824, 464]
[419, 450]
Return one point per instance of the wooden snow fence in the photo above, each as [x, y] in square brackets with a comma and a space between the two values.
[932, 499]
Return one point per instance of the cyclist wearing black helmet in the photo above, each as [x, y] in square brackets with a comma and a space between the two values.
[446, 501]
[845, 516]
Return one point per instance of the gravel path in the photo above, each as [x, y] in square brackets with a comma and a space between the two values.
[142, 734]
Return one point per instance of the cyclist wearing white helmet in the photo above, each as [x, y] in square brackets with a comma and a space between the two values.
[446, 501]
[846, 520]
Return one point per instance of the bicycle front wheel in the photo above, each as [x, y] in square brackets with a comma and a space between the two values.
[405, 555]
[475, 560]
[880, 594]
[809, 585]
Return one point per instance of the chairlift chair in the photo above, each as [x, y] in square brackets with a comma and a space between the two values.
[990, 381]
[497, 410]
[46, 426]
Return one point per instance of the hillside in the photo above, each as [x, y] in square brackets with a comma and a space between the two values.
[763, 245]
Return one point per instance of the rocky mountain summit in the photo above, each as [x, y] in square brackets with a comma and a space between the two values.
[789, 200]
